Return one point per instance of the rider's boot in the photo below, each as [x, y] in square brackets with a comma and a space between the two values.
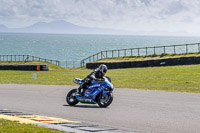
[83, 88]
[83, 92]
[79, 90]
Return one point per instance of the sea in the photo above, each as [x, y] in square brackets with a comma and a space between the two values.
[66, 47]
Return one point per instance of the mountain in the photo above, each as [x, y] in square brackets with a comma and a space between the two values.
[59, 27]
[3, 27]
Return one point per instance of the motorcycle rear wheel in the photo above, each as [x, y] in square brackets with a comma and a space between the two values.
[105, 101]
[70, 98]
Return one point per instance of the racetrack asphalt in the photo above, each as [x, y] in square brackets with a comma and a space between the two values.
[132, 109]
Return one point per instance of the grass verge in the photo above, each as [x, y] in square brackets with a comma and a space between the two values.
[149, 57]
[172, 78]
[13, 127]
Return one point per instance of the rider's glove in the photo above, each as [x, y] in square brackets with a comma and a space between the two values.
[87, 80]
[100, 80]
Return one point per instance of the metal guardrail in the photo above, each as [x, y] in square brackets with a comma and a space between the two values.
[144, 51]
[26, 58]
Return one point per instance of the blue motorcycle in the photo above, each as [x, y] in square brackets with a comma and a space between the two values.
[99, 92]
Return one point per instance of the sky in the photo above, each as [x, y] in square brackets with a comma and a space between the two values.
[153, 16]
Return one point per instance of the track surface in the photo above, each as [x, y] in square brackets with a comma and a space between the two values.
[132, 110]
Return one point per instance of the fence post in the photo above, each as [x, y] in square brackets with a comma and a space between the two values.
[174, 49]
[146, 51]
[106, 54]
[118, 53]
[138, 51]
[164, 49]
[199, 47]
[101, 54]
[124, 52]
[186, 48]
[131, 52]
[83, 63]
[154, 50]
[93, 58]
[112, 53]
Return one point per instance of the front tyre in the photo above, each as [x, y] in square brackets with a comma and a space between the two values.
[71, 98]
[105, 101]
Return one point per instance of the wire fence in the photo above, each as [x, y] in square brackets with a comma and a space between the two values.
[144, 51]
[70, 64]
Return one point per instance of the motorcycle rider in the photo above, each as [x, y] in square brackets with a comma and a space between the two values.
[97, 74]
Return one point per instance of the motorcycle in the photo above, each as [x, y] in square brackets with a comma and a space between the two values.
[99, 92]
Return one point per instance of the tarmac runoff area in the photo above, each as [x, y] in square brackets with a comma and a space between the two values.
[55, 123]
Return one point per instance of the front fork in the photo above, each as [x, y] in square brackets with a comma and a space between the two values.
[105, 93]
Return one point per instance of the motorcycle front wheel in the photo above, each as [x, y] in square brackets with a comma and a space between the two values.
[71, 98]
[105, 101]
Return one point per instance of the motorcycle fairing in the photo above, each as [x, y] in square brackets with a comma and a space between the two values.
[78, 81]
[92, 92]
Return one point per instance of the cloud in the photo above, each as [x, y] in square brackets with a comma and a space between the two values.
[170, 15]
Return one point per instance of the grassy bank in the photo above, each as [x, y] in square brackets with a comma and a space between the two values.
[149, 57]
[173, 78]
[13, 127]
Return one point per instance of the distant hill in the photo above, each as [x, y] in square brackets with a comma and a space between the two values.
[59, 27]
[3, 27]
[63, 27]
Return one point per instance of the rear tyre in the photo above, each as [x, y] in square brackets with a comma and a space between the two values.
[105, 101]
[71, 98]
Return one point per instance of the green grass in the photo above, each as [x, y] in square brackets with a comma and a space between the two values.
[172, 78]
[13, 127]
[56, 76]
